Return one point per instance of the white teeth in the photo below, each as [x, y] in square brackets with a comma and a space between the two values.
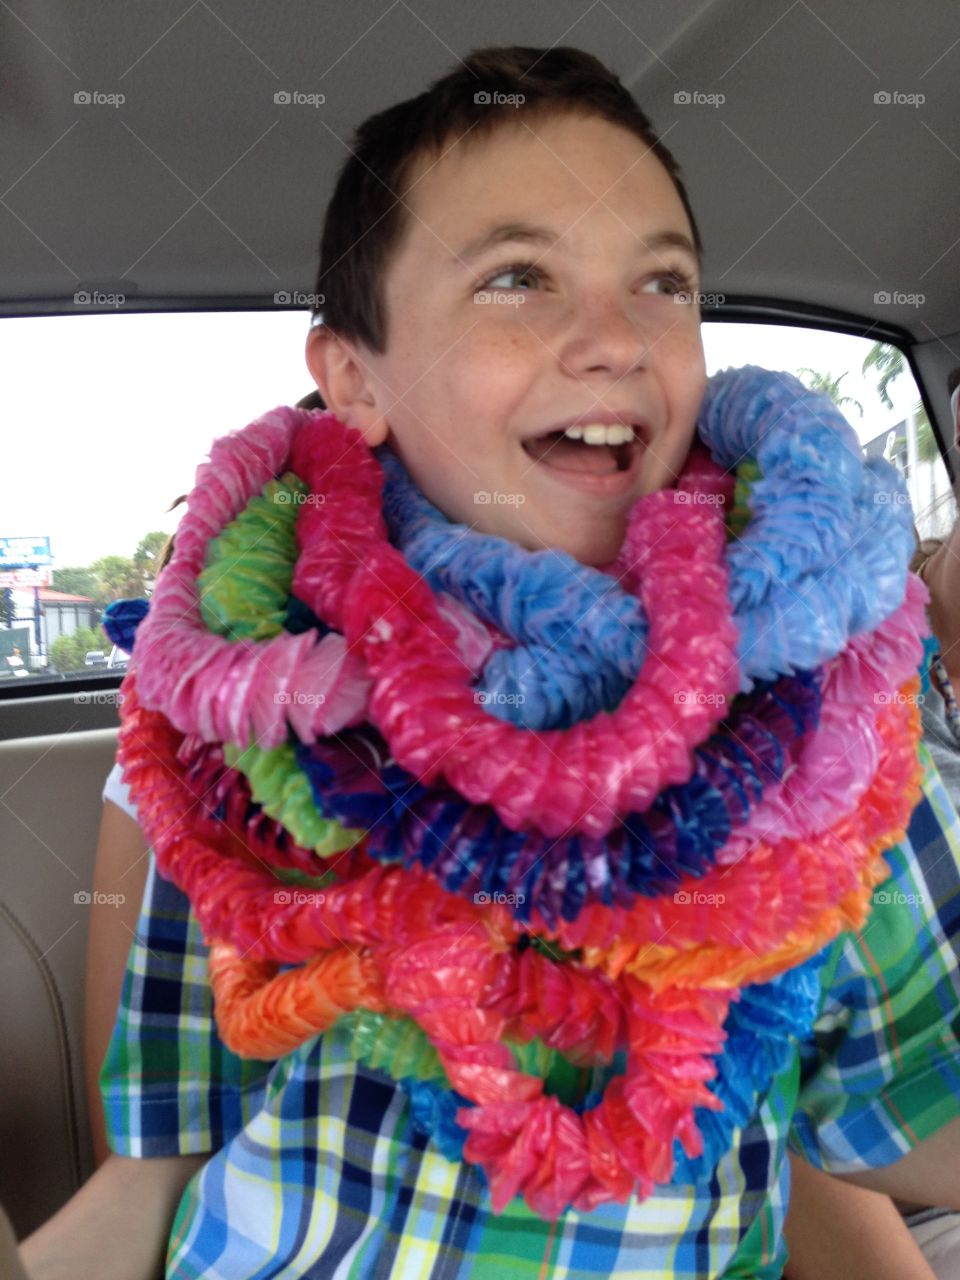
[601, 433]
[596, 433]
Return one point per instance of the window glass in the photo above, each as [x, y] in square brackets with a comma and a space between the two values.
[874, 387]
[106, 418]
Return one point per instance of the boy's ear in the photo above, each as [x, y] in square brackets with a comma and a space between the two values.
[346, 383]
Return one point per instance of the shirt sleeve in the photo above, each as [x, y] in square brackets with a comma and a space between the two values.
[882, 1070]
[116, 789]
[169, 1084]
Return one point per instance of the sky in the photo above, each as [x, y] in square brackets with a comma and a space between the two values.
[105, 418]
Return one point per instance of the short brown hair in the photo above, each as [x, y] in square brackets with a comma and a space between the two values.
[366, 216]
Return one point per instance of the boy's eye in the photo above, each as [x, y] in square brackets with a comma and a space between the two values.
[671, 283]
[518, 271]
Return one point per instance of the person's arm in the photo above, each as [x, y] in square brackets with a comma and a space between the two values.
[117, 1225]
[941, 573]
[836, 1231]
[121, 871]
[928, 1174]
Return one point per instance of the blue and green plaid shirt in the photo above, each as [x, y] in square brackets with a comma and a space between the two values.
[316, 1170]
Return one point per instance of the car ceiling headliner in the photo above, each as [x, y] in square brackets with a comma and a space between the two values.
[201, 188]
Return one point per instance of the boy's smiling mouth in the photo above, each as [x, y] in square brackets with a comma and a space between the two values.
[599, 454]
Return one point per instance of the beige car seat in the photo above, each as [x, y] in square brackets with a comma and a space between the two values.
[50, 789]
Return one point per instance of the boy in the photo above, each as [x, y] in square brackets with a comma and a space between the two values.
[490, 276]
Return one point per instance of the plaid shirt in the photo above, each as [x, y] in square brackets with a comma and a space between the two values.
[317, 1171]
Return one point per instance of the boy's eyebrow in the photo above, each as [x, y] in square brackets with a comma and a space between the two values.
[534, 234]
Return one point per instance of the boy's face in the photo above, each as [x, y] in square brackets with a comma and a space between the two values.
[485, 357]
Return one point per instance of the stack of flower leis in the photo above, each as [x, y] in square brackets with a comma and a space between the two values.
[559, 849]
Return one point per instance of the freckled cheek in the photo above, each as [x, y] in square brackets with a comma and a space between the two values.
[689, 344]
[494, 375]
[507, 345]
[686, 377]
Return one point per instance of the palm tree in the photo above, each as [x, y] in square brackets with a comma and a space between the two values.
[150, 546]
[148, 556]
[829, 385]
[889, 363]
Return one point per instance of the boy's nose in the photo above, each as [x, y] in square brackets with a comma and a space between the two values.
[606, 337]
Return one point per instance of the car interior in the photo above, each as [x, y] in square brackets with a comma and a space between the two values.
[178, 156]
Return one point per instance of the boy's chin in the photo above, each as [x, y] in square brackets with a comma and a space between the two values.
[598, 554]
[592, 539]
[597, 548]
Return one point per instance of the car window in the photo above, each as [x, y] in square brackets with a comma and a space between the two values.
[874, 387]
[108, 416]
[115, 436]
